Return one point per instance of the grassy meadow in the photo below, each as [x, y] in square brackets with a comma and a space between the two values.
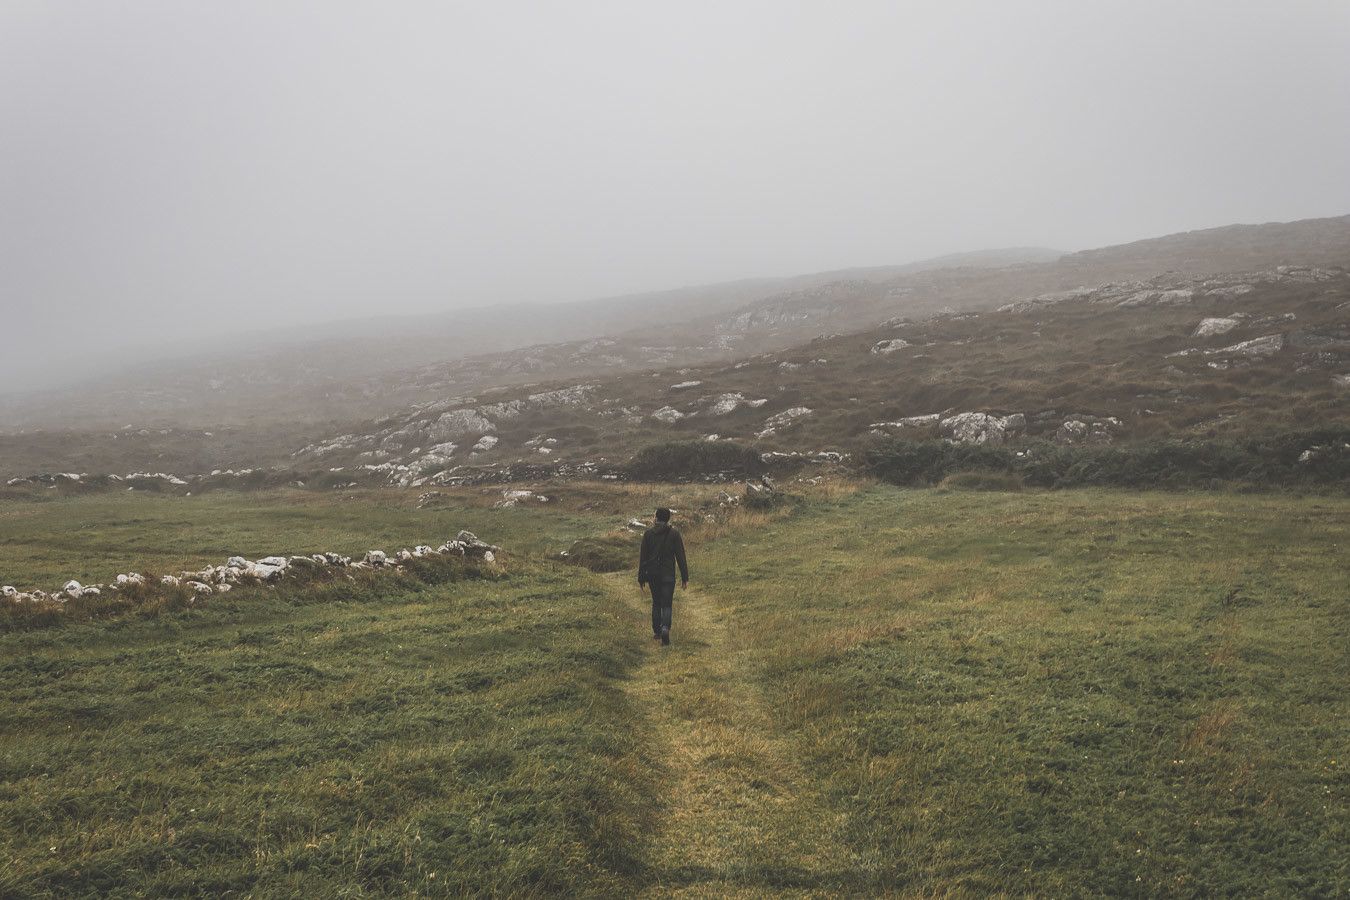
[871, 691]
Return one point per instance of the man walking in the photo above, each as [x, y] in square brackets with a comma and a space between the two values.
[662, 549]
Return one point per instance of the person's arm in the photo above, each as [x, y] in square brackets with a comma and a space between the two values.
[679, 558]
[642, 559]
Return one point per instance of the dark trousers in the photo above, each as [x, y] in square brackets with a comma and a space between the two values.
[663, 596]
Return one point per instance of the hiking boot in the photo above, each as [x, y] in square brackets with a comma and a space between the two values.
[665, 635]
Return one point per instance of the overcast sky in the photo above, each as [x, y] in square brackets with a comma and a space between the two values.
[184, 172]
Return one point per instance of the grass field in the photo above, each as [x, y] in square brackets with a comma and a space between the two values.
[871, 691]
[91, 538]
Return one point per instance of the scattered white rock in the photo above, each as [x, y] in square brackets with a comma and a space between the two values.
[459, 423]
[1266, 345]
[264, 571]
[668, 414]
[1088, 430]
[1317, 451]
[154, 476]
[512, 498]
[926, 421]
[1230, 291]
[882, 348]
[1158, 298]
[1212, 326]
[571, 396]
[725, 404]
[784, 419]
[980, 428]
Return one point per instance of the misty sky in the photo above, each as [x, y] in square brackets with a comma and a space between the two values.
[188, 172]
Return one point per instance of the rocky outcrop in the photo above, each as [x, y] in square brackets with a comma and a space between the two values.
[512, 498]
[1049, 299]
[576, 395]
[782, 420]
[726, 404]
[1229, 291]
[981, 428]
[1088, 430]
[504, 411]
[1157, 298]
[762, 491]
[668, 414]
[819, 457]
[882, 348]
[1325, 453]
[1168, 290]
[1212, 326]
[434, 460]
[926, 421]
[1266, 345]
[459, 423]
[137, 478]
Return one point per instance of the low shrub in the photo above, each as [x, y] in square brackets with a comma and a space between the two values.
[928, 462]
[677, 460]
[1319, 457]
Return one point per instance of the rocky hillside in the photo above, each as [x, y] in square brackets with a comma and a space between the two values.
[1117, 362]
[251, 375]
[1123, 361]
[1045, 340]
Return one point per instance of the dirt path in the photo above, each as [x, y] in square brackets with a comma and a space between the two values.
[738, 816]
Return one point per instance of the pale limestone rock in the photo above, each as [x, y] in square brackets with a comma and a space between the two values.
[1212, 326]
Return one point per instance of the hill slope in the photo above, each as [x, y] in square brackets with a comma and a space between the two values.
[1124, 361]
[961, 355]
[251, 375]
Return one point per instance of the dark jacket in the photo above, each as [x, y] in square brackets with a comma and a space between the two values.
[662, 549]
